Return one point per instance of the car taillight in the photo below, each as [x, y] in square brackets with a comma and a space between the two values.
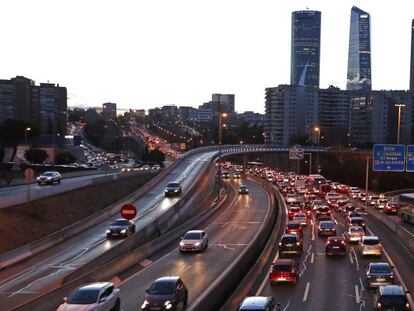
[343, 242]
[379, 306]
[328, 242]
[297, 243]
[391, 276]
[280, 243]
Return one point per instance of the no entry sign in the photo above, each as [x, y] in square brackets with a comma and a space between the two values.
[128, 211]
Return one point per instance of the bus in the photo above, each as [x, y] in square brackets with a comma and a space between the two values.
[314, 181]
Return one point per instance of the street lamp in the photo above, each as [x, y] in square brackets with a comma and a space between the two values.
[222, 115]
[399, 106]
[318, 130]
[27, 129]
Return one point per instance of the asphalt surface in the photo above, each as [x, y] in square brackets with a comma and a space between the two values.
[338, 283]
[228, 236]
[46, 270]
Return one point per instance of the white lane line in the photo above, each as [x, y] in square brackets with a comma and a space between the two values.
[287, 306]
[312, 257]
[350, 258]
[304, 261]
[265, 279]
[313, 231]
[357, 297]
[305, 296]
[356, 259]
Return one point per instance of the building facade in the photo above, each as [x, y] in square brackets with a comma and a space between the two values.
[201, 115]
[305, 48]
[412, 58]
[359, 53]
[109, 111]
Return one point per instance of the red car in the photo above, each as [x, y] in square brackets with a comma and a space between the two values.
[292, 211]
[294, 227]
[342, 189]
[391, 209]
[284, 270]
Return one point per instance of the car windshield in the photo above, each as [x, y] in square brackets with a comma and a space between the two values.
[393, 300]
[371, 241]
[48, 174]
[380, 269]
[327, 225]
[192, 236]
[356, 221]
[356, 229]
[323, 209]
[162, 288]
[293, 225]
[299, 216]
[83, 296]
[288, 239]
[120, 222]
[173, 184]
[284, 268]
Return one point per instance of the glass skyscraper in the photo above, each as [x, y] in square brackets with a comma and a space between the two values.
[359, 54]
[305, 50]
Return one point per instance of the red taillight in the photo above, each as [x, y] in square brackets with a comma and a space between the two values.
[297, 243]
[343, 242]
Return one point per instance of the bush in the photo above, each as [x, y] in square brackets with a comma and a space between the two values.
[65, 158]
[36, 156]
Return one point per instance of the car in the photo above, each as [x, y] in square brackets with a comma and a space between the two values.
[173, 188]
[290, 244]
[331, 198]
[236, 175]
[356, 221]
[326, 227]
[372, 199]
[379, 273]
[362, 197]
[145, 167]
[301, 190]
[293, 210]
[284, 270]
[156, 167]
[346, 209]
[323, 212]
[98, 296]
[354, 214]
[126, 168]
[354, 233]
[194, 240]
[166, 293]
[289, 190]
[381, 203]
[258, 303]
[300, 218]
[317, 203]
[291, 198]
[391, 209]
[294, 227]
[335, 185]
[335, 245]
[354, 192]
[119, 228]
[243, 189]
[342, 189]
[225, 175]
[391, 297]
[49, 177]
[370, 245]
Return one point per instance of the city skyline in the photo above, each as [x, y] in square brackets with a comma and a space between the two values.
[139, 55]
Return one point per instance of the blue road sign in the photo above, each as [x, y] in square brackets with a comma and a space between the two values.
[410, 158]
[389, 158]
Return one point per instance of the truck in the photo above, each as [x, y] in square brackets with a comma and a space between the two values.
[406, 212]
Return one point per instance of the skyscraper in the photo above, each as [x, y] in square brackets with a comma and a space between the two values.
[305, 50]
[359, 53]
[412, 58]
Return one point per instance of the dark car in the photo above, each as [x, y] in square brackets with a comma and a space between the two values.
[166, 293]
[243, 189]
[335, 245]
[293, 210]
[356, 221]
[379, 273]
[290, 244]
[391, 209]
[173, 188]
[119, 228]
[258, 303]
[48, 178]
[323, 212]
[284, 270]
[326, 227]
[225, 175]
[294, 227]
[391, 297]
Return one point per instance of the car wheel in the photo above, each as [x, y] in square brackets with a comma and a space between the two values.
[117, 306]
[39, 183]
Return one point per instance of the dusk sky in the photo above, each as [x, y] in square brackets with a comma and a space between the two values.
[143, 54]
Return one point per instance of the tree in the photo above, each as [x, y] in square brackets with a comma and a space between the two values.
[34, 155]
[65, 158]
[13, 132]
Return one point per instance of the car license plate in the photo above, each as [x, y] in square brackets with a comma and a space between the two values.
[335, 247]
[115, 234]
[381, 280]
[282, 279]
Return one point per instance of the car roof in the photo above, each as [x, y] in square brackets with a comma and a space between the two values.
[170, 279]
[255, 302]
[370, 237]
[334, 238]
[288, 235]
[195, 231]
[379, 264]
[284, 261]
[356, 218]
[97, 285]
[391, 290]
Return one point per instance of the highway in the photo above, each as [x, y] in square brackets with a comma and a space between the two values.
[46, 270]
[228, 234]
[337, 283]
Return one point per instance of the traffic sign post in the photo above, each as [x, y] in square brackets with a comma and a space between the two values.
[296, 153]
[28, 174]
[128, 211]
[388, 158]
[410, 158]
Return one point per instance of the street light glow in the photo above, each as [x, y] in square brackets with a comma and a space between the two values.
[224, 114]
[317, 129]
[28, 128]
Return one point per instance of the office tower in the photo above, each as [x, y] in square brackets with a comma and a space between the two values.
[359, 53]
[412, 58]
[109, 111]
[305, 48]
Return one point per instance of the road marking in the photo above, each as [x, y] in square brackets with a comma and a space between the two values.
[287, 306]
[145, 263]
[350, 258]
[313, 231]
[305, 296]
[265, 279]
[357, 297]
[312, 257]
[304, 261]
[356, 259]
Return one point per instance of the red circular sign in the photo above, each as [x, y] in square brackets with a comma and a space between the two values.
[128, 211]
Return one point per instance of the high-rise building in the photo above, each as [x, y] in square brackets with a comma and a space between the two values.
[359, 53]
[226, 100]
[291, 112]
[109, 111]
[305, 48]
[412, 58]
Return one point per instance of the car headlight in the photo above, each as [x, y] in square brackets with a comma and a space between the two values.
[123, 231]
[144, 304]
[176, 190]
[181, 243]
[108, 231]
[197, 244]
[168, 305]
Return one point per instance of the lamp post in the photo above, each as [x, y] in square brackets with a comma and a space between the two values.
[222, 115]
[399, 106]
[27, 129]
[318, 130]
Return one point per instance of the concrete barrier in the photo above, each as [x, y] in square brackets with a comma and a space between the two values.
[218, 292]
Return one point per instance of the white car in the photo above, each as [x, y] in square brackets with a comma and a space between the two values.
[101, 296]
[354, 233]
[300, 218]
[194, 240]
[291, 198]
[49, 178]
[370, 245]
